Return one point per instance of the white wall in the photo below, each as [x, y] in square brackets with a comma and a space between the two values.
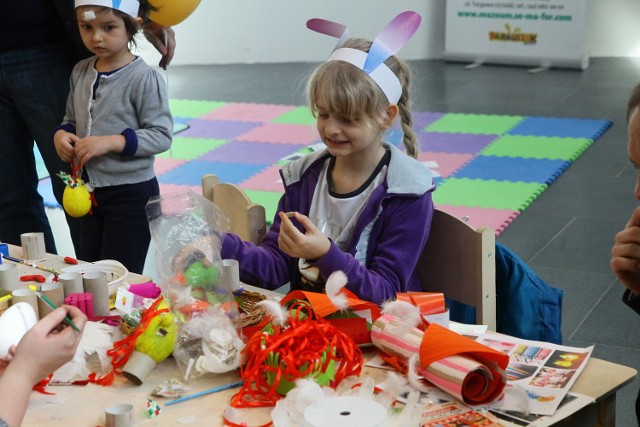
[258, 31]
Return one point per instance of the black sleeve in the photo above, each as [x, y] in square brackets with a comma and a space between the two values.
[631, 300]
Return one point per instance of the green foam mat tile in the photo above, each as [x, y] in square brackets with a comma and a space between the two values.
[515, 196]
[537, 147]
[192, 108]
[190, 148]
[488, 124]
[268, 199]
[298, 116]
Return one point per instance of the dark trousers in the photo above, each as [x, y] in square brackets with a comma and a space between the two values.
[118, 228]
[34, 85]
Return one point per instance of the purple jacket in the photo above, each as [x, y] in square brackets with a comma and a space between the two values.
[387, 240]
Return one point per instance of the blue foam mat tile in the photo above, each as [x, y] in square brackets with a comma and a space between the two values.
[559, 127]
[191, 172]
[516, 169]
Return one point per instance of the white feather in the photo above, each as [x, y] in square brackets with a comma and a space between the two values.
[290, 410]
[414, 379]
[407, 316]
[96, 341]
[277, 313]
[333, 288]
[394, 384]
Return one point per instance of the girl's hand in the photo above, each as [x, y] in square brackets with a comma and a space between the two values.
[95, 146]
[312, 244]
[64, 143]
[49, 344]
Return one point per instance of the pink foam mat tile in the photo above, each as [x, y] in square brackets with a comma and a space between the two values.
[282, 133]
[217, 129]
[248, 112]
[162, 165]
[498, 219]
[267, 180]
[445, 163]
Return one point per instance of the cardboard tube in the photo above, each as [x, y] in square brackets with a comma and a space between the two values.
[55, 293]
[95, 283]
[119, 415]
[33, 247]
[71, 282]
[9, 279]
[25, 295]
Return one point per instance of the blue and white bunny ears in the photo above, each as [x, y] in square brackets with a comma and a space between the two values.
[130, 7]
[390, 40]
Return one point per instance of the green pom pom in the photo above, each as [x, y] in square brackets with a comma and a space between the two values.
[201, 275]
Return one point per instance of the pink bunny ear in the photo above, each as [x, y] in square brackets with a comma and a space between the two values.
[329, 28]
[391, 39]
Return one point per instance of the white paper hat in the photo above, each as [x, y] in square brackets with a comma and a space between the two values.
[130, 7]
[390, 40]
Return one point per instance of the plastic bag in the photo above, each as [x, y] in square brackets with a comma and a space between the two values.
[187, 230]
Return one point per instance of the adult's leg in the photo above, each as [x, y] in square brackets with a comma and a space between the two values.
[126, 235]
[22, 207]
[40, 92]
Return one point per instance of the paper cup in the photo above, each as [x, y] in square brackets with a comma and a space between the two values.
[71, 282]
[119, 415]
[95, 282]
[231, 273]
[55, 294]
[9, 277]
[33, 247]
[25, 295]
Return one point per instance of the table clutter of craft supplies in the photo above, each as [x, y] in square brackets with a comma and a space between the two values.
[213, 350]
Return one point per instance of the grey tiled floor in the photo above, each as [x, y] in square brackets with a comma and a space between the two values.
[566, 234]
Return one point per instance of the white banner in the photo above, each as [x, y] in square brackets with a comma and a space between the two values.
[543, 33]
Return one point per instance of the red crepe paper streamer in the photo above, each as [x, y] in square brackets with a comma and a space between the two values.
[122, 349]
[300, 346]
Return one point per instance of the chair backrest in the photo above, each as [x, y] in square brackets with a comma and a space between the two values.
[459, 261]
[246, 219]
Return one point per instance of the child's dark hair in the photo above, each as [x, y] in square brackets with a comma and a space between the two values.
[130, 24]
[342, 87]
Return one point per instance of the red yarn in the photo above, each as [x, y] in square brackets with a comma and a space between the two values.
[300, 347]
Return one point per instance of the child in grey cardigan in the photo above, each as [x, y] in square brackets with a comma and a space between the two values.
[117, 119]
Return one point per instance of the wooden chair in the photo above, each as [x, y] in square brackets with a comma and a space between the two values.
[246, 219]
[458, 260]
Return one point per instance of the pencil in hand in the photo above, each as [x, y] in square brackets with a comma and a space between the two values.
[51, 304]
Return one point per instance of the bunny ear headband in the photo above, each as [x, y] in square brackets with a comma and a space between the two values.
[390, 40]
[130, 7]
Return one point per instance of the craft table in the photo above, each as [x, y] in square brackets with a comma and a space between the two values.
[84, 405]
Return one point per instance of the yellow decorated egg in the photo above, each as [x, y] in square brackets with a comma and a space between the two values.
[76, 200]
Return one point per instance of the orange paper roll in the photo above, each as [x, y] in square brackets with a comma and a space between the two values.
[471, 372]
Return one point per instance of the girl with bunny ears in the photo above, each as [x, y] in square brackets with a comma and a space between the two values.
[361, 205]
[117, 119]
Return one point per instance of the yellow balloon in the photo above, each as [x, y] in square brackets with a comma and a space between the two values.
[76, 201]
[172, 12]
